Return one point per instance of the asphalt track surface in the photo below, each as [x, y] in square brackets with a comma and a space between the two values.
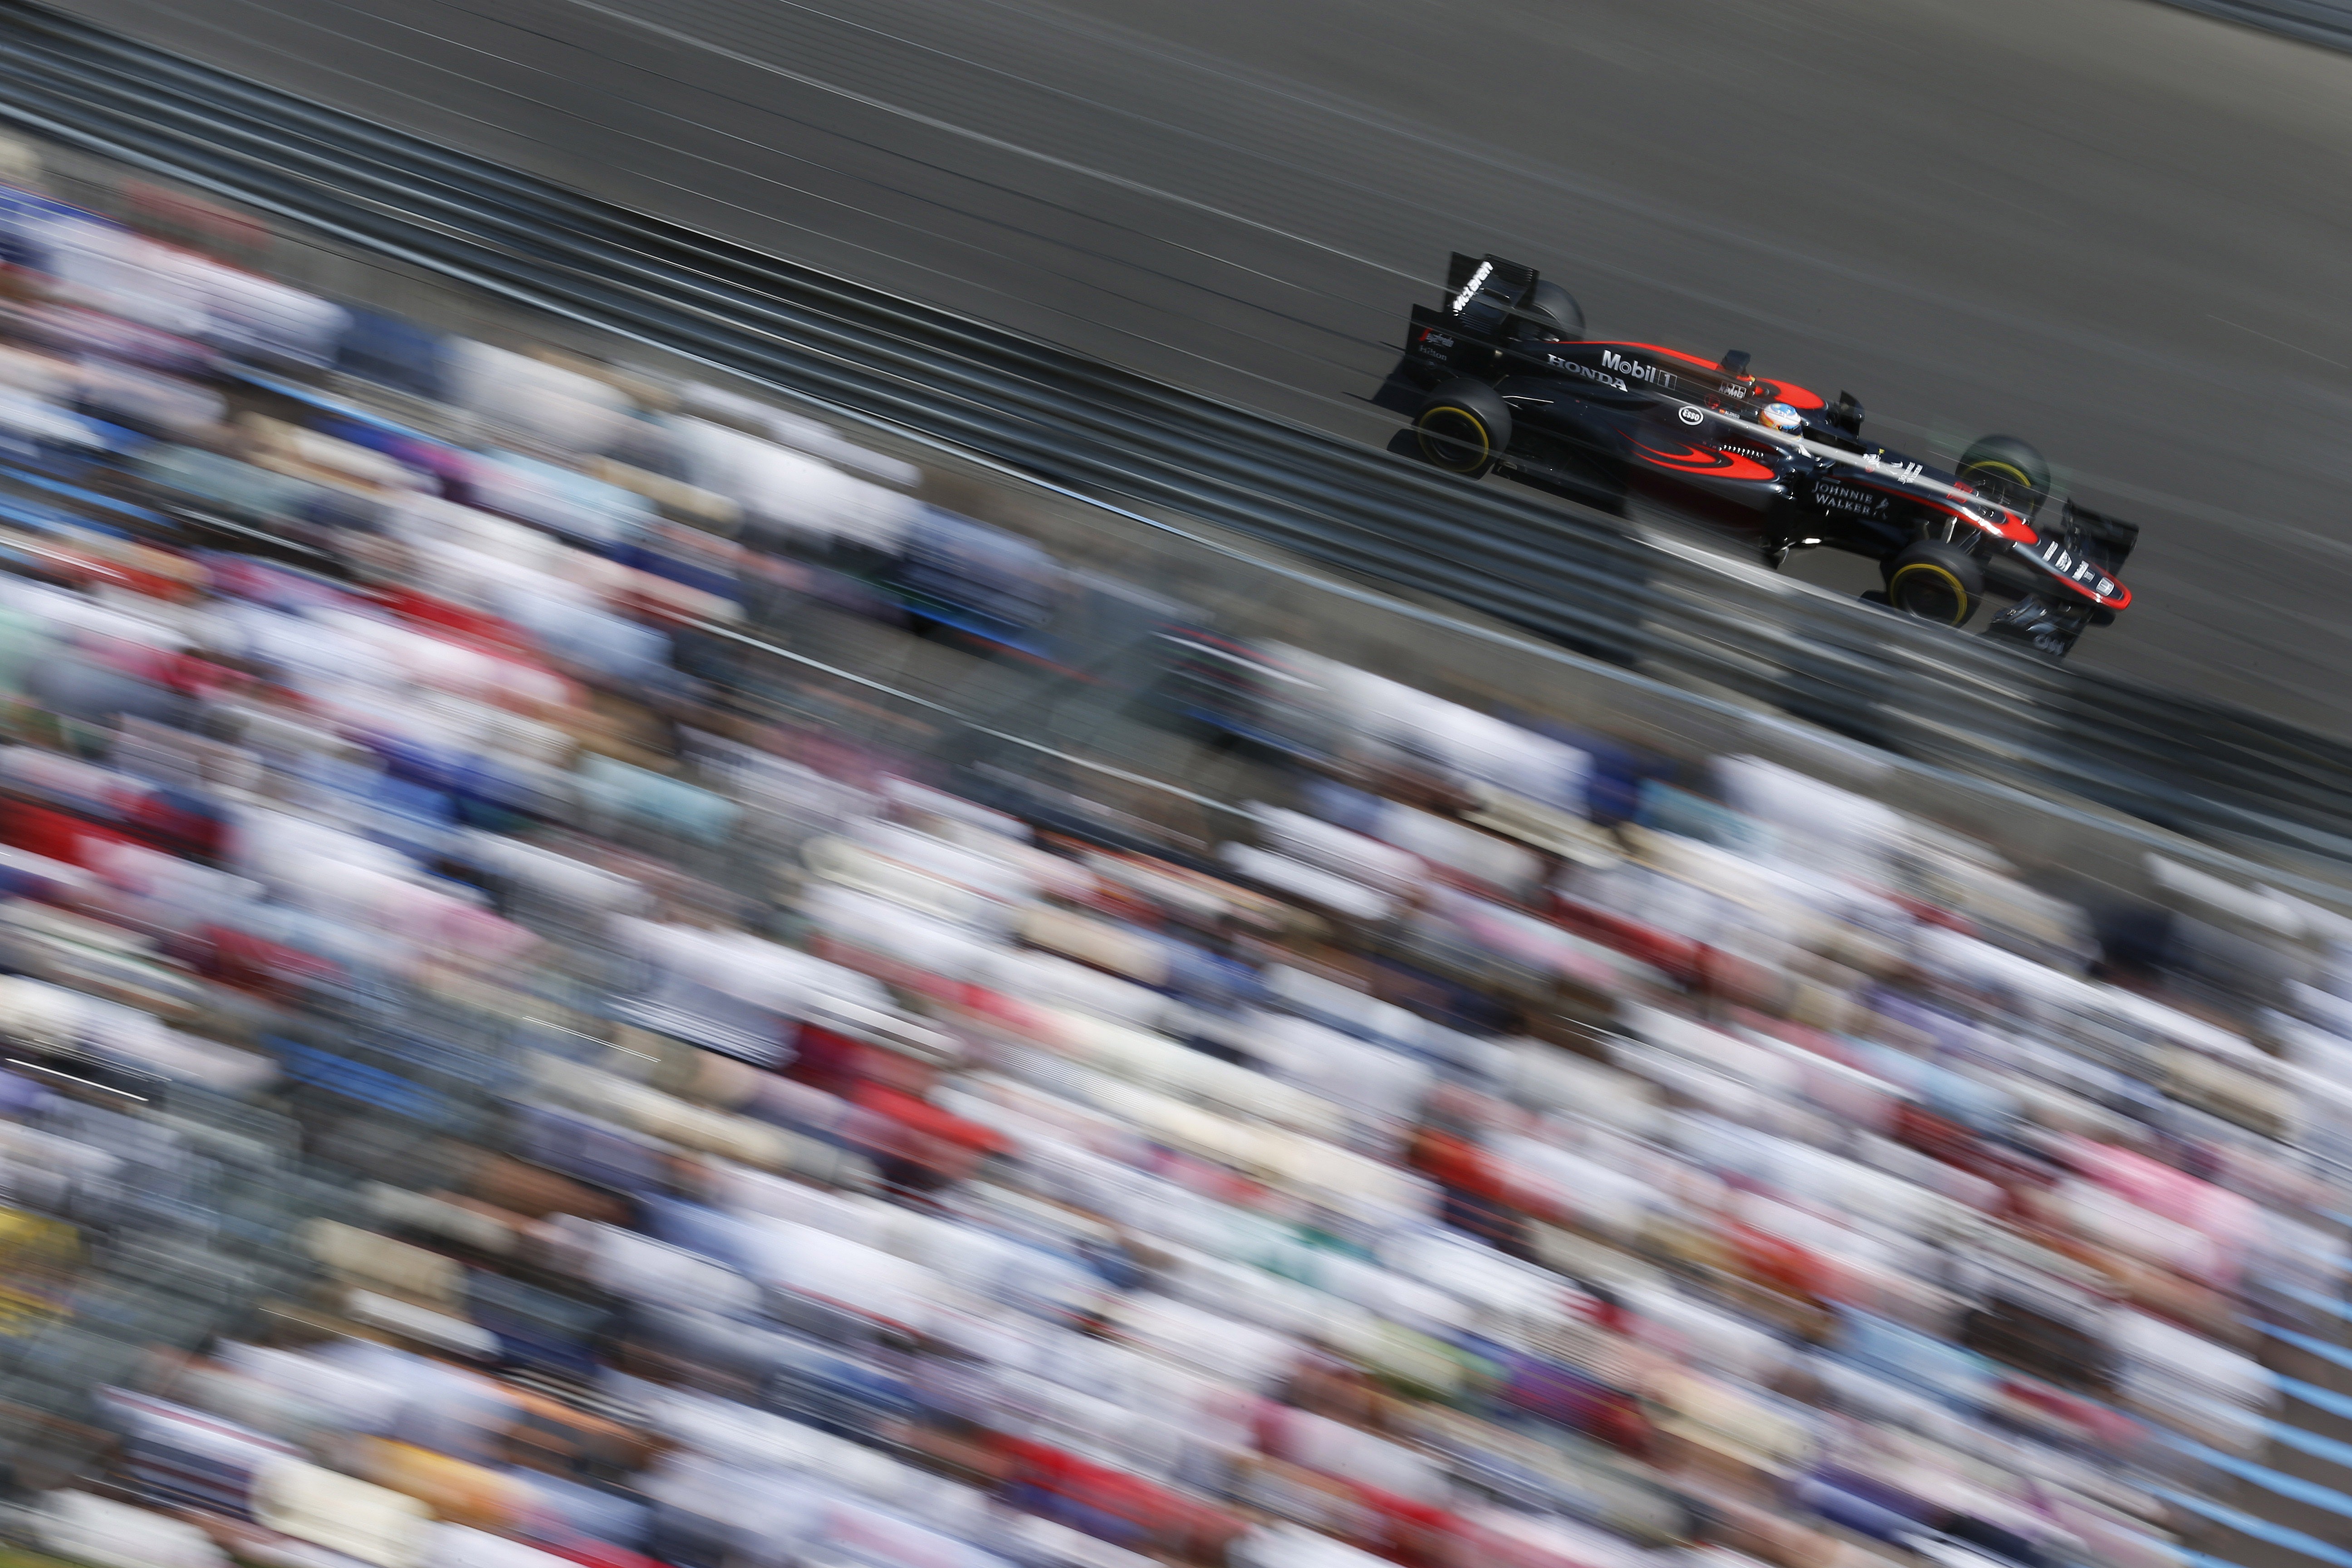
[2113, 227]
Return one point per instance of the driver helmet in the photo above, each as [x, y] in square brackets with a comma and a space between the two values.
[1779, 417]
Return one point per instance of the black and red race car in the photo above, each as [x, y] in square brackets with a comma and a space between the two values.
[1500, 377]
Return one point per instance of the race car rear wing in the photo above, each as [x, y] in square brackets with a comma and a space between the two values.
[1482, 295]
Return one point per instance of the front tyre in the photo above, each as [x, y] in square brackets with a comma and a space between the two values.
[2007, 472]
[1933, 581]
[1464, 427]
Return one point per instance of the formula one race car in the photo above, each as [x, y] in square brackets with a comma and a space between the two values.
[1504, 381]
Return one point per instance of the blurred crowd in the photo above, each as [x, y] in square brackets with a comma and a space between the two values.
[483, 1088]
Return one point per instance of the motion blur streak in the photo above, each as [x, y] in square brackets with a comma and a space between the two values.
[2326, 22]
[2091, 218]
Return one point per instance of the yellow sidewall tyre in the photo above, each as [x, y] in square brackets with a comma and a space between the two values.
[2008, 472]
[1455, 439]
[1930, 585]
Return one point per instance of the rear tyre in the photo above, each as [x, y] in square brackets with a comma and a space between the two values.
[1464, 427]
[1933, 581]
[1551, 311]
[2006, 470]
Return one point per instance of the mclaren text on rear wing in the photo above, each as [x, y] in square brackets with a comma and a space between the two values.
[1482, 293]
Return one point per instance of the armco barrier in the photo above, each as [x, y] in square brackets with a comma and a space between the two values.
[1575, 578]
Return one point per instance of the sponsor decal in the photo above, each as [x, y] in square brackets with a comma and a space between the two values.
[1689, 414]
[1470, 290]
[1708, 461]
[1901, 472]
[1585, 371]
[2076, 568]
[1434, 340]
[1838, 495]
[1612, 360]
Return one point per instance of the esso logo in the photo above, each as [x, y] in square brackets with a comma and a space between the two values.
[1688, 415]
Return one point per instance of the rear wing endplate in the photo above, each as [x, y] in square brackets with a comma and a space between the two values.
[1483, 292]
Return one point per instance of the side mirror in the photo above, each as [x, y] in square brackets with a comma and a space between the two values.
[1735, 364]
[1845, 414]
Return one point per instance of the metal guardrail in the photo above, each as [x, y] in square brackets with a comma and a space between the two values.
[1577, 577]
